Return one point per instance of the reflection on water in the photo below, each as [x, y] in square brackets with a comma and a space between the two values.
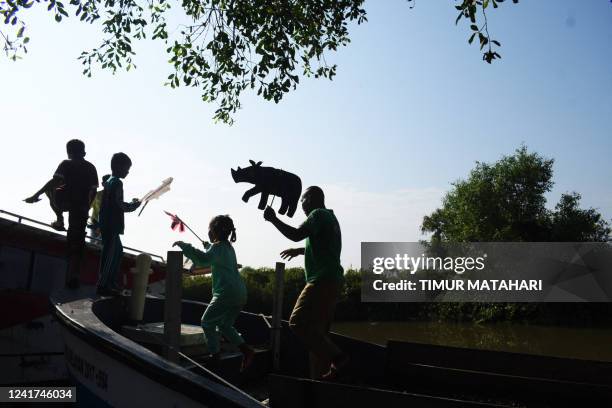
[591, 344]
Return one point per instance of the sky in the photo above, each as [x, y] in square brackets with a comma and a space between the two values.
[411, 110]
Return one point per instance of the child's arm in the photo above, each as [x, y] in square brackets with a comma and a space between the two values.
[198, 257]
[126, 207]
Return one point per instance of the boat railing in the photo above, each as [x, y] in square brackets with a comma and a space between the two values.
[21, 219]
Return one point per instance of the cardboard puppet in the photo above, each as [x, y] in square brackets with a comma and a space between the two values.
[268, 180]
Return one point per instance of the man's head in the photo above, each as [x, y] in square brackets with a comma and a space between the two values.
[312, 199]
[120, 165]
[75, 149]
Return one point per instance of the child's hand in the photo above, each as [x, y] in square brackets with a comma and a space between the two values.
[136, 201]
[269, 214]
[179, 244]
[206, 244]
[33, 199]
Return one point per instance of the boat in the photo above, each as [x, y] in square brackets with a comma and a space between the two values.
[32, 266]
[111, 366]
[114, 361]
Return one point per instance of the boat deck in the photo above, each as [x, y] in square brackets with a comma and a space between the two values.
[398, 375]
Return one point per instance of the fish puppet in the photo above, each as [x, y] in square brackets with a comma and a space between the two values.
[268, 180]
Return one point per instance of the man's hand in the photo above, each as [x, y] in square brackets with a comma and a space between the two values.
[291, 253]
[136, 202]
[269, 214]
[33, 199]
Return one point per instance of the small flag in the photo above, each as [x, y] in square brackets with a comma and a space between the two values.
[177, 223]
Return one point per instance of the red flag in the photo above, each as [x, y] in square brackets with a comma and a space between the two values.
[177, 223]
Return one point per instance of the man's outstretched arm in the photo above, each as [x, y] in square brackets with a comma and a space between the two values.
[294, 234]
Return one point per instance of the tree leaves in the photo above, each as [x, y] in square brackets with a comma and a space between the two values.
[227, 46]
[505, 201]
[469, 9]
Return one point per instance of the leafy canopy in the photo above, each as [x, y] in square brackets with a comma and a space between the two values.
[226, 46]
[505, 201]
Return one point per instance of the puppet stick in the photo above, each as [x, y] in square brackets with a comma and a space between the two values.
[273, 197]
[190, 230]
[143, 207]
[196, 235]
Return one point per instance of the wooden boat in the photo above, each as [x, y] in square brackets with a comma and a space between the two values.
[114, 363]
[32, 265]
[111, 369]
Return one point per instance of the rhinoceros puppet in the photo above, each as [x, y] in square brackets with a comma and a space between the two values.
[268, 180]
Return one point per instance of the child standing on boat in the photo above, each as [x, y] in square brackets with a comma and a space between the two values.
[111, 223]
[94, 219]
[228, 289]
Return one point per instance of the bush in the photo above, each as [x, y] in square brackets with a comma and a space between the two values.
[260, 288]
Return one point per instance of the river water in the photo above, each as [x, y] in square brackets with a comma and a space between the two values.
[590, 344]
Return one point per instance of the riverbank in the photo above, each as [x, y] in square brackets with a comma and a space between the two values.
[260, 287]
[580, 343]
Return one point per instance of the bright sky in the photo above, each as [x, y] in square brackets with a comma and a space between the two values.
[410, 111]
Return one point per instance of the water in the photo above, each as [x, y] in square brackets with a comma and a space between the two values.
[590, 344]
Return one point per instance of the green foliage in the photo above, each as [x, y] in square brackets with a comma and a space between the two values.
[260, 288]
[505, 201]
[226, 46]
[469, 9]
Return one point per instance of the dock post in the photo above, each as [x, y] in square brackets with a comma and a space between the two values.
[140, 280]
[172, 306]
[277, 312]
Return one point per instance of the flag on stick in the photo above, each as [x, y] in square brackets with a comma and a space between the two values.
[178, 224]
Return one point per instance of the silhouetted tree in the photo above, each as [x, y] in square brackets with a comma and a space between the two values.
[505, 201]
[225, 46]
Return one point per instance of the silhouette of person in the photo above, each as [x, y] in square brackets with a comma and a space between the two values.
[71, 189]
[228, 288]
[112, 224]
[94, 219]
[314, 309]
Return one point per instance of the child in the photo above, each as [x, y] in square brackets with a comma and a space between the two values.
[111, 221]
[228, 288]
[71, 189]
[94, 219]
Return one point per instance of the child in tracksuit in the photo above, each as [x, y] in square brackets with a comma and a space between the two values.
[111, 223]
[228, 288]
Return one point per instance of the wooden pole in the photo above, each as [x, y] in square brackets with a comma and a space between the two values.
[277, 311]
[172, 306]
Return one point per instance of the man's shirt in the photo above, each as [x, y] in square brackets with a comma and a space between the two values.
[323, 247]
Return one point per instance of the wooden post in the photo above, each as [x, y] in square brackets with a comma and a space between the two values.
[172, 306]
[140, 280]
[277, 312]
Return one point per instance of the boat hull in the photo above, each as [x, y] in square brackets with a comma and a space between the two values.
[103, 381]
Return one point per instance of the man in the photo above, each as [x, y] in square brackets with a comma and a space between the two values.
[71, 189]
[314, 310]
